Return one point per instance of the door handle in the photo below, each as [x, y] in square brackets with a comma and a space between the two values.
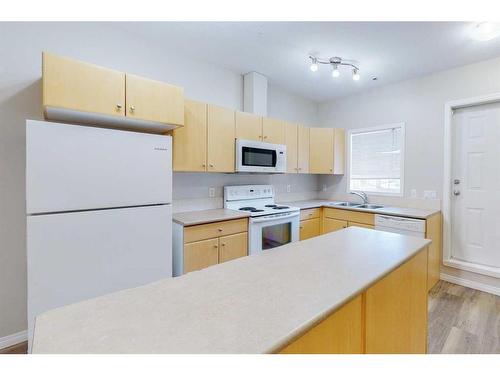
[456, 192]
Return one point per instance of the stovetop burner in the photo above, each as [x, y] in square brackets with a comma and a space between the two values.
[280, 207]
[271, 205]
[251, 209]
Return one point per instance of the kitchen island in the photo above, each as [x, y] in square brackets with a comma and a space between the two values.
[352, 291]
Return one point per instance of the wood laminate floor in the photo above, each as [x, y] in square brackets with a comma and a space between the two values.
[463, 320]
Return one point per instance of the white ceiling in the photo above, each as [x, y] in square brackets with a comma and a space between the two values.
[391, 51]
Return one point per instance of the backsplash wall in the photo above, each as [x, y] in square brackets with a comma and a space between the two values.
[190, 190]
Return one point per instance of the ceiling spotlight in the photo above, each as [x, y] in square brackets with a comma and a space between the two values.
[336, 63]
[355, 75]
[314, 64]
[335, 71]
[485, 31]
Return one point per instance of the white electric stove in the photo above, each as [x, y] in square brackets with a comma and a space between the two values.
[270, 225]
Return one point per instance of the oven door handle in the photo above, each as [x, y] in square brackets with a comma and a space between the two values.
[264, 219]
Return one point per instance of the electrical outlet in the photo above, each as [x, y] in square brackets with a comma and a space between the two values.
[413, 193]
[430, 194]
[288, 188]
[211, 192]
[324, 187]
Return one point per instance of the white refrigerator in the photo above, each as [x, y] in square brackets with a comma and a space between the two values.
[99, 216]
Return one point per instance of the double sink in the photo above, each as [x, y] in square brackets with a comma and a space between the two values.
[366, 206]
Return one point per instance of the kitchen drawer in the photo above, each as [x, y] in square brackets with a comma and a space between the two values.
[309, 228]
[354, 216]
[311, 213]
[214, 230]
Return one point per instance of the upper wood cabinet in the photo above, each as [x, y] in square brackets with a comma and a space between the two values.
[302, 149]
[273, 130]
[291, 142]
[76, 85]
[221, 136]
[327, 148]
[75, 91]
[248, 126]
[154, 100]
[190, 141]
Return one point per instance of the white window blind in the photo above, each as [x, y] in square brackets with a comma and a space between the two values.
[376, 159]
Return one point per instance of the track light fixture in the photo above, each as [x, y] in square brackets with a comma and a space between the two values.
[335, 62]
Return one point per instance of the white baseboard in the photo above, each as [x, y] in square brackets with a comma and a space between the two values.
[470, 284]
[15, 338]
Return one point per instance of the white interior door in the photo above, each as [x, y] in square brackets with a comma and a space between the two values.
[475, 186]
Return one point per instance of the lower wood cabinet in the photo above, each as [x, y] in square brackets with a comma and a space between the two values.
[199, 246]
[233, 246]
[310, 228]
[201, 254]
[390, 317]
[331, 225]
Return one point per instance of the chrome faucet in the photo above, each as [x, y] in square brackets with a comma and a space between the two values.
[362, 195]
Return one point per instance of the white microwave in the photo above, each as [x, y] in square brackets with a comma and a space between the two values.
[260, 157]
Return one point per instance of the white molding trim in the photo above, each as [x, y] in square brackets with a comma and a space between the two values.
[15, 338]
[449, 108]
[470, 284]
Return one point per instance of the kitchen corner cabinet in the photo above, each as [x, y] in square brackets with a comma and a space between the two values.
[190, 141]
[327, 151]
[273, 130]
[220, 139]
[200, 246]
[76, 91]
[248, 126]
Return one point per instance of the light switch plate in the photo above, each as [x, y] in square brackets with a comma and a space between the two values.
[211, 192]
[430, 194]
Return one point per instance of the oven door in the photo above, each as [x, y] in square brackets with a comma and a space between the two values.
[252, 156]
[268, 232]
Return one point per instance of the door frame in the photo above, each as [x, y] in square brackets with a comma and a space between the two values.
[449, 109]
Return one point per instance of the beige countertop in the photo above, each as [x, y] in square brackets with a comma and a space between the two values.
[416, 213]
[207, 216]
[254, 304]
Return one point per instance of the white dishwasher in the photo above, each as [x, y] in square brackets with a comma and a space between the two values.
[401, 225]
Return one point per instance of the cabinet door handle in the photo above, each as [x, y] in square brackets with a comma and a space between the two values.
[265, 137]
[223, 244]
[118, 106]
[220, 229]
[331, 169]
[211, 165]
[216, 246]
[132, 108]
[301, 227]
[203, 165]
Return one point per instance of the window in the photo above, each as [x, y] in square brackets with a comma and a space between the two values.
[376, 159]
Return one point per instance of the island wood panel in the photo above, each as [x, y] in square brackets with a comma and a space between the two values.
[340, 333]
[81, 86]
[347, 215]
[248, 126]
[396, 310]
[190, 141]
[291, 142]
[309, 228]
[152, 100]
[201, 254]
[220, 139]
[233, 246]
[434, 232]
[217, 229]
[303, 149]
[273, 130]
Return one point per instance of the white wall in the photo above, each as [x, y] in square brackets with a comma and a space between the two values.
[20, 98]
[420, 104]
